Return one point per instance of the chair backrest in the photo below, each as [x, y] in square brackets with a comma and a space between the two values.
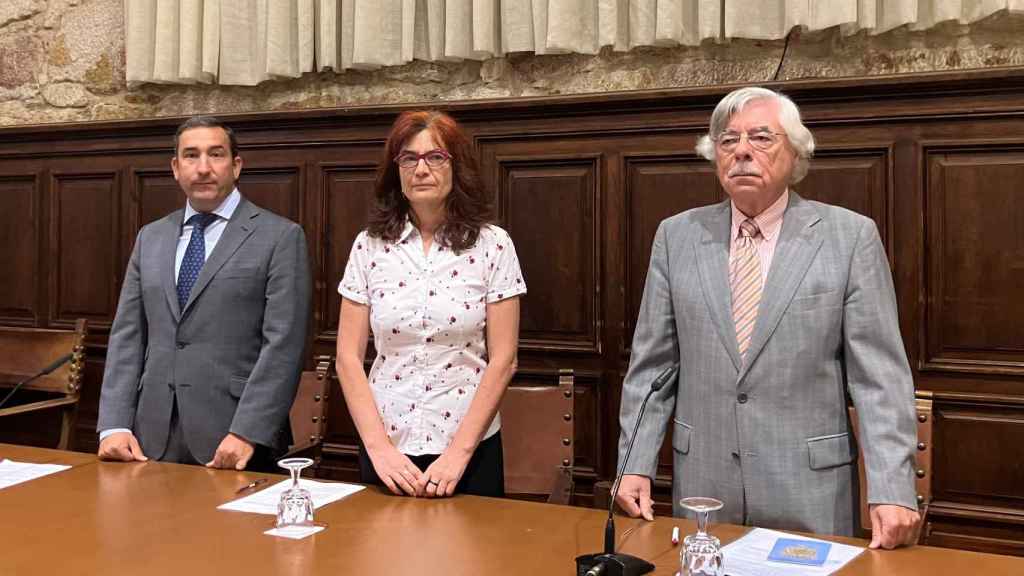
[922, 460]
[26, 351]
[537, 439]
[309, 410]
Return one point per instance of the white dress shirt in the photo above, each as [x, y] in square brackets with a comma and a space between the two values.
[428, 316]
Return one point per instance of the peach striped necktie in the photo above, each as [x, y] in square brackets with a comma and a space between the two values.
[745, 281]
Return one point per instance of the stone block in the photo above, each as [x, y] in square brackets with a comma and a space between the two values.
[494, 70]
[65, 95]
[16, 10]
[57, 54]
[88, 33]
[103, 77]
[19, 59]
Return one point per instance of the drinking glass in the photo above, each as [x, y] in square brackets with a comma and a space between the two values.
[296, 505]
[702, 553]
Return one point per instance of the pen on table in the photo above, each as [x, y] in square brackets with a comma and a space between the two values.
[251, 485]
[675, 535]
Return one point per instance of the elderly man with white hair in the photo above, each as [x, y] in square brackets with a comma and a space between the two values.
[776, 309]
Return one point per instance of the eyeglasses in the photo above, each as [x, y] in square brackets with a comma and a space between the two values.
[758, 139]
[435, 158]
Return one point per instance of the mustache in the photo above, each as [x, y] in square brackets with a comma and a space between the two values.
[743, 168]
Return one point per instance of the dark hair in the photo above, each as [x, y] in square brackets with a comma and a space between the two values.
[207, 122]
[467, 205]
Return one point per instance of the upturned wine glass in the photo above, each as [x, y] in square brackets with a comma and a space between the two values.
[702, 553]
[296, 505]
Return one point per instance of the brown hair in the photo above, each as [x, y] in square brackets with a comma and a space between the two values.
[467, 205]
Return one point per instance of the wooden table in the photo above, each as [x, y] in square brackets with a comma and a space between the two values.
[154, 518]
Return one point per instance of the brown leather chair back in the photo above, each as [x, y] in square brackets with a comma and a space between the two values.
[922, 460]
[26, 351]
[537, 439]
[309, 411]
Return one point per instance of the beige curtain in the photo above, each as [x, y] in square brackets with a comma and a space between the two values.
[246, 42]
[772, 19]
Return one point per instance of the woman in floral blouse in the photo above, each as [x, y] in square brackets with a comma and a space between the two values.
[439, 287]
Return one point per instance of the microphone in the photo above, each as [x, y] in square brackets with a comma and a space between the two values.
[609, 563]
[53, 366]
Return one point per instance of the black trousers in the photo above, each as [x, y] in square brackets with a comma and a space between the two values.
[484, 475]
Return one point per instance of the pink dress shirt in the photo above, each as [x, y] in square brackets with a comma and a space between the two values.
[769, 223]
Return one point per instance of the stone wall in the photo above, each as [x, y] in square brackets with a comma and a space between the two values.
[63, 61]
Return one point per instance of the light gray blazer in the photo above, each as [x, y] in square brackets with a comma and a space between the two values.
[771, 438]
[232, 357]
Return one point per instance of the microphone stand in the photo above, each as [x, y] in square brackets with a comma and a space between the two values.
[56, 364]
[610, 563]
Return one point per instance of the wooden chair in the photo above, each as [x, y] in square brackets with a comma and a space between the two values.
[26, 351]
[922, 460]
[537, 440]
[308, 415]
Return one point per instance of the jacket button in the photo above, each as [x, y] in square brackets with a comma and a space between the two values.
[742, 398]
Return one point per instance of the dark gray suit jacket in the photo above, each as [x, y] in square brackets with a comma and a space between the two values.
[771, 437]
[232, 357]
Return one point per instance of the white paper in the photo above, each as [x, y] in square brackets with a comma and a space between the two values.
[12, 472]
[748, 556]
[265, 501]
[294, 532]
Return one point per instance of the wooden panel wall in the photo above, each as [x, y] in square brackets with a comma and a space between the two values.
[19, 256]
[581, 183]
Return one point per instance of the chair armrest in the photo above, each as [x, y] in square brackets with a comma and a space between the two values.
[602, 494]
[35, 406]
[561, 493]
[922, 528]
[305, 450]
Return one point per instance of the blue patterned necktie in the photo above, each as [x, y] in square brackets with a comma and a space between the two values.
[195, 256]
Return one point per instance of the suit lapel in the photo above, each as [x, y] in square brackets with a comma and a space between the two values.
[238, 229]
[168, 252]
[799, 241]
[713, 267]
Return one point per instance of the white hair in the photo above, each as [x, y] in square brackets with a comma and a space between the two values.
[799, 136]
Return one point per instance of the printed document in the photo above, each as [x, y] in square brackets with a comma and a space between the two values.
[12, 472]
[749, 556]
[265, 501]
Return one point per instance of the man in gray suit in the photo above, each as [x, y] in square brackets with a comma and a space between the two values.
[775, 308]
[206, 348]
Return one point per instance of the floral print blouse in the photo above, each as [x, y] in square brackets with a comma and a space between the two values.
[428, 318]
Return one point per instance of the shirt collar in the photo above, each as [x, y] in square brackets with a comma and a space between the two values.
[225, 210]
[407, 231]
[768, 222]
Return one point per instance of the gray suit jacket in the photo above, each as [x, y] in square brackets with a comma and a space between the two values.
[771, 437]
[232, 357]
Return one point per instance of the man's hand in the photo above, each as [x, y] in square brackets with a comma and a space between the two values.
[121, 446]
[634, 496]
[233, 452]
[893, 526]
